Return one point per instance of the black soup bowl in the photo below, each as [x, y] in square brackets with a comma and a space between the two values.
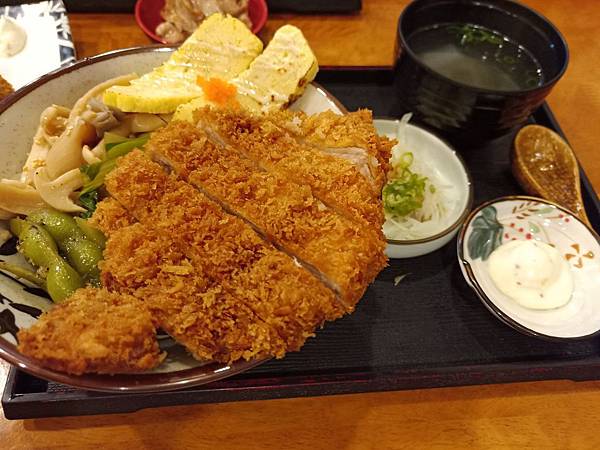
[466, 112]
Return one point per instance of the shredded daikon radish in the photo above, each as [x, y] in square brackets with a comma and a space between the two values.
[417, 200]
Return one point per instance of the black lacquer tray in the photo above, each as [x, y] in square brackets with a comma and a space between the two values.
[428, 331]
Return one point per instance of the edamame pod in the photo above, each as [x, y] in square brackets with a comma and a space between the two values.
[16, 226]
[37, 246]
[92, 233]
[22, 272]
[62, 280]
[81, 252]
[35, 243]
[60, 225]
[84, 255]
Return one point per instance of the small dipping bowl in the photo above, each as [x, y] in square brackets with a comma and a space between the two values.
[529, 218]
[449, 167]
[462, 112]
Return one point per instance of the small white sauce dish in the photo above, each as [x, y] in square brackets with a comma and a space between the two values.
[448, 167]
[528, 218]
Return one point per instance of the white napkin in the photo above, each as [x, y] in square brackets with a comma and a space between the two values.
[48, 44]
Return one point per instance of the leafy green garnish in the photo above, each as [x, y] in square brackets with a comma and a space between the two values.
[469, 34]
[402, 197]
[89, 171]
[96, 173]
[125, 147]
[112, 139]
[405, 192]
[89, 201]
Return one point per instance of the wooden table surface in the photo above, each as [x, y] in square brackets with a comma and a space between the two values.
[549, 415]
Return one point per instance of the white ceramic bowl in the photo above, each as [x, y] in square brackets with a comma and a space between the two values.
[19, 305]
[529, 218]
[450, 168]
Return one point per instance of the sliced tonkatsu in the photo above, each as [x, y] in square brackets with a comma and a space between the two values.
[338, 250]
[349, 136]
[151, 265]
[336, 181]
[94, 331]
[225, 249]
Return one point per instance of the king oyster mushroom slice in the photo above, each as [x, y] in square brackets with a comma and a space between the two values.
[19, 198]
[57, 193]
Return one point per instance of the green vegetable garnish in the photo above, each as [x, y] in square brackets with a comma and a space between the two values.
[38, 246]
[89, 200]
[112, 139]
[95, 173]
[405, 192]
[402, 197]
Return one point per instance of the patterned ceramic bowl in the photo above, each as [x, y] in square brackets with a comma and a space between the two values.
[20, 304]
[529, 218]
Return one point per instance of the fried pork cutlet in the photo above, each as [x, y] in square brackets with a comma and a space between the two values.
[349, 136]
[335, 181]
[210, 323]
[94, 331]
[110, 216]
[225, 249]
[336, 248]
[5, 88]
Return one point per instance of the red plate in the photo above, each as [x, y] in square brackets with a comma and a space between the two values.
[147, 15]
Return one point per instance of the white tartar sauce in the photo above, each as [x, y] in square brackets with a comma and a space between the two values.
[532, 273]
[12, 37]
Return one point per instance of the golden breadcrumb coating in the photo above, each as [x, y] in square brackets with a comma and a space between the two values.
[5, 88]
[210, 323]
[94, 331]
[335, 181]
[354, 129]
[350, 136]
[246, 236]
[285, 296]
[287, 213]
[109, 216]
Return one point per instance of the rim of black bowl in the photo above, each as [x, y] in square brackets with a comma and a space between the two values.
[473, 283]
[470, 195]
[547, 84]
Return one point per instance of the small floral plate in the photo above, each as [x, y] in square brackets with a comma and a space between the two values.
[522, 218]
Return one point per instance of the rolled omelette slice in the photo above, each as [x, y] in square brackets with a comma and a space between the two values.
[222, 47]
[274, 79]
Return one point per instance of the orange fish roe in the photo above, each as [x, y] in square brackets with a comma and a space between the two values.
[219, 91]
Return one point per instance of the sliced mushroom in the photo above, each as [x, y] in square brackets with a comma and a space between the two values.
[65, 153]
[19, 198]
[101, 116]
[145, 123]
[57, 193]
[53, 121]
[138, 123]
[82, 103]
[94, 155]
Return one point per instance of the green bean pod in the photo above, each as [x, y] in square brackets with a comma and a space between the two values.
[35, 243]
[62, 280]
[92, 233]
[81, 252]
[37, 246]
[84, 255]
[22, 272]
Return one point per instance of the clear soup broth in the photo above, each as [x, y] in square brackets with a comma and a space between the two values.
[476, 56]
